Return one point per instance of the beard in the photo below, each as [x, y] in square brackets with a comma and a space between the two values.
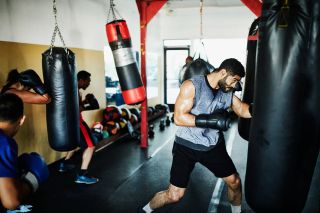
[223, 85]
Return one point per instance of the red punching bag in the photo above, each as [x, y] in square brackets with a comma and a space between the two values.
[133, 90]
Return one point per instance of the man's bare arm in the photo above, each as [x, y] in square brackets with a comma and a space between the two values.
[31, 97]
[183, 105]
[12, 192]
[240, 108]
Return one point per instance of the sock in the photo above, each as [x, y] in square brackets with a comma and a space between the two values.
[235, 209]
[147, 208]
[83, 172]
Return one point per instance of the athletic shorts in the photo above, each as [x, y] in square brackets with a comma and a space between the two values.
[86, 139]
[216, 160]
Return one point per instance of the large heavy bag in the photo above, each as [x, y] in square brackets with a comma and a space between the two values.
[119, 39]
[59, 72]
[285, 129]
[247, 95]
[196, 67]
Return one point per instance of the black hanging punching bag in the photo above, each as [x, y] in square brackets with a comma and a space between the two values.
[247, 97]
[196, 67]
[59, 72]
[119, 39]
[284, 134]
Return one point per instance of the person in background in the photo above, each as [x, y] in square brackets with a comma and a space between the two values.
[19, 176]
[182, 71]
[86, 142]
[21, 84]
[189, 59]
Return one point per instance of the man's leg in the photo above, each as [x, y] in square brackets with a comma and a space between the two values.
[86, 158]
[218, 161]
[172, 195]
[234, 192]
[71, 153]
[65, 165]
[181, 168]
[83, 176]
[87, 144]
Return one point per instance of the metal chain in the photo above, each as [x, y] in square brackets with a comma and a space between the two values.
[201, 13]
[56, 29]
[114, 12]
[201, 29]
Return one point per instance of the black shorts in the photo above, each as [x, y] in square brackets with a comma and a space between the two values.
[216, 160]
[86, 139]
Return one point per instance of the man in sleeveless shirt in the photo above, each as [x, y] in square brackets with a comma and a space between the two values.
[200, 114]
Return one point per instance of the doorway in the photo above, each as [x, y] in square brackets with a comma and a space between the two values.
[174, 59]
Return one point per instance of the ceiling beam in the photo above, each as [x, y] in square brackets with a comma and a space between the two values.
[254, 5]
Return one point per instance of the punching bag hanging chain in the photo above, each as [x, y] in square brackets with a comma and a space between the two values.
[201, 31]
[201, 34]
[114, 12]
[56, 29]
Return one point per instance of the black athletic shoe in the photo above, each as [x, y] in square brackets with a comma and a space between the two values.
[63, 167]
[140, 210]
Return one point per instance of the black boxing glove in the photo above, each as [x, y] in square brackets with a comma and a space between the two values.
[237, 87]
[31, 79]
[91, 102]
[217, 120]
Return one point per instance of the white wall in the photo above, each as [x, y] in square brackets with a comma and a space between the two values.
[82, 22]
[218, 22]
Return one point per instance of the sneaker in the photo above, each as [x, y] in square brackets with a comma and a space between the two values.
[63, 167]
[21, 208]
[140, 210]
[86, 179]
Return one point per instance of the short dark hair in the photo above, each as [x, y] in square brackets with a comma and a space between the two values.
[189, 58]
[83, 75]
[11, 107]
[233, 66]
[13, 77]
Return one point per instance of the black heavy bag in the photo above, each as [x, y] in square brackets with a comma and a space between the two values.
[196, 67]
[59, 72]
[119, 39]
[284, 134]
[247, 96]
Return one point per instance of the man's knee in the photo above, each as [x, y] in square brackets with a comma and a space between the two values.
[89, 149]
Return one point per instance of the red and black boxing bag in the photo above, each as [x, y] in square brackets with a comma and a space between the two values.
[285, 129]
[247, 95]
[119, 39]
[59, 73]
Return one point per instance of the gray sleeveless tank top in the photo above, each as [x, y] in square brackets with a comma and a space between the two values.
[206, 101]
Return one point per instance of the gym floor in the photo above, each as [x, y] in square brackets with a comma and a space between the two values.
[130, 176]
